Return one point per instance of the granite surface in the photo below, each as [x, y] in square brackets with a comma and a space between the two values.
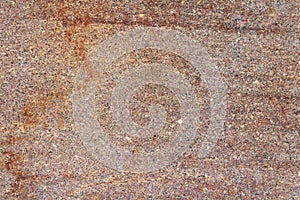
[255, 48]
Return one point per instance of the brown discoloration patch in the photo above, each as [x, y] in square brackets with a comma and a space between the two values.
[13, 162]
[35, 112]
[78, 17]
[147, 13]
[261, 126]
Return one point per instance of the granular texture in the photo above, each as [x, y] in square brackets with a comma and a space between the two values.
[253, 45]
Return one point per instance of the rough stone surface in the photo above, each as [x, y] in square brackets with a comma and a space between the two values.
[255, 46]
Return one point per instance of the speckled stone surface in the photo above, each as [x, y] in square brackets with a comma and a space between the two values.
[256, 47]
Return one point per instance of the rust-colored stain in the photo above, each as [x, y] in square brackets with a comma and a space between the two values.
[77, 17]
[150, 13]
[13, 163]
[35, 112]
[32, 112]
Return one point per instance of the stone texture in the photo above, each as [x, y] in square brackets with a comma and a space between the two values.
[255, 45]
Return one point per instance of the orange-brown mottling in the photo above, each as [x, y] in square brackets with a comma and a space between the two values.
[45, 43]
